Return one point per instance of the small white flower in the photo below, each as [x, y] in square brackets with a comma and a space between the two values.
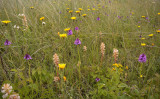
[6, 88]
[5, 96]
[15, 26]
[43, 23]
[14, 96]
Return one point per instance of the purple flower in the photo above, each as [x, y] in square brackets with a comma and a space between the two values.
[98, 18]
[77, 42]
[70, 32]
[27, 57]
[142, 58]
[76, 28]
[7, 42]
[97, 79]
[109, 1]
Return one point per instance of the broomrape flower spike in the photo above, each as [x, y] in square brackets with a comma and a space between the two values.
[102, 47]
[56, 59]
[27, 57]
[77, 42]
[142, 58]
[7, 42]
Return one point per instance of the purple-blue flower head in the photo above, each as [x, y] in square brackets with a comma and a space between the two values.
[70, 32]
[98, 18]
[97, 79]
[7, 42]
[77, 42]
[142, 58]
[76, 28]
[27, 57]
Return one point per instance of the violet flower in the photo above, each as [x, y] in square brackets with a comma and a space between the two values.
[97, 79]
[27, 57]
[76, 28]
[98, 18]
[142, 58]
[7, 42]
[70, 32]
[77, 42]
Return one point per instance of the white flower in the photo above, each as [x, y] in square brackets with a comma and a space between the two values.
[5, 96]
[15, 26]
[14, 96]
[43, 23]
[6, 88]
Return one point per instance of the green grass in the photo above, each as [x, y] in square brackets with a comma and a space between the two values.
[82, 68]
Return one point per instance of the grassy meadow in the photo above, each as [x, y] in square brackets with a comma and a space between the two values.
[80, 49]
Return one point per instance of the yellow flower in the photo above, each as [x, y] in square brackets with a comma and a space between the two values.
[141, 76]
[121, 70]
[126, 67]
[70, 11]
[152, 44]
[42, 18]
[84, 15]
[63, 35]
[31, 7]
[89, 9]
[120, 65]
[6, 21]
[143, 38]
[158, 31]
[64, 77]
[139, 26]
[143, 44]
[93, 9]
[113, 69]
[158, 13]
[67, 8]
[143, 16]
[67, 29]
[61, 66]
[150, 35]
[73, 18]
[132, 12]
[58, 33]
[116, 65]
[78, 11]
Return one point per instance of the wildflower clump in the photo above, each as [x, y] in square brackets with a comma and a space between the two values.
[117, 67]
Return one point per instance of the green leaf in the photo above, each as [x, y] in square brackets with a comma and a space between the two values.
[13, 70]
[122, 85]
